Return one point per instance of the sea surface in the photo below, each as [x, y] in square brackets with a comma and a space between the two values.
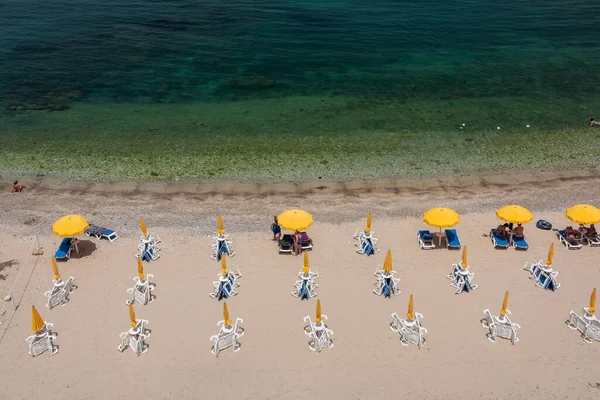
[297, 90]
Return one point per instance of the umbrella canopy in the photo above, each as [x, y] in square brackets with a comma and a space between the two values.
[515, 214]
[220, 225]
[464, 258]
[368, 228]
[550, 255]
[583, 214]
[70, 226]
[306, 268]
[37, 323]
[55, 269]
[504, 305]
[593, 301]
[143, 227]
[441, 217]
[411, 309]
[295, 220]
[140, 269]
[132, 320]
[387, 264]
[226, 320]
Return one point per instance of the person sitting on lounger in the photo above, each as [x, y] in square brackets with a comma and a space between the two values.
[591, 231]
[501, 231]
[594, 122]
[276, 229]
[518, 232]
[570, 233]
[297, 243]
[17, 187]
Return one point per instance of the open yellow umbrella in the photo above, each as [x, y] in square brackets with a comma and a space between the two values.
[295, 220]
[318, 318]
[592, 307]
[143, 227]
[504, 305]
[368, 228]
[55, 269]
[132, 320]
[387, 264]
[223, 266]
[550, 254]
[220, 225]
[140, 270]
[464, 258]
[411, 309]
[70, 226]
[306, 268]
[515, 214]
[583, 214]
[37, 323]
[226, 320]
[441, 217]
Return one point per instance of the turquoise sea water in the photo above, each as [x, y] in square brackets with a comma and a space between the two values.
[211, 81]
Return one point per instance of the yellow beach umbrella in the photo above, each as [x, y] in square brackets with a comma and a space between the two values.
[223, 266]
[318, 318]
[220, 225]
[583, 214]
[306, 268]
[387, 264]
[37, 323]
[411, 309]
[295, 220]
[515, 214]
[592, 307]
[504, 305]
[464, 258]
[441, 217]
[70, 226]
[368, 228]
[226, 319]
[132, 320]
[143, 227]
[55, 269]
[140, 270]
[550, 255]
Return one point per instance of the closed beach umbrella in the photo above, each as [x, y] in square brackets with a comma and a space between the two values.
[295, 220]
[515, 214]
[318, 318]
[504, 305]
[132, 321]
[70, 226]
[306, 268]
[37, 323]
[550, 255]
[464, 258]
[223, 266]
[226, 320]
[143, 227]
[387, 264]
[411, 308]
[583, 214]
[55, 269]
[368, 228]
[441, 217]
[140, 269]
[220, 225]
[592, 302]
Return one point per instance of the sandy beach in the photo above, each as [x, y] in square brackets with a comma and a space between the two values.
[368, 360]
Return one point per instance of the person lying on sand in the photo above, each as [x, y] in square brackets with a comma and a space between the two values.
[17, 187]
[594, 122]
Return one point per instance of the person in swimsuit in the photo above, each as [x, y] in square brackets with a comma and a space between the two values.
[501, 231]
[591, 231]
[276, 229]
[594, 122]
[297, 243]
[519, 231]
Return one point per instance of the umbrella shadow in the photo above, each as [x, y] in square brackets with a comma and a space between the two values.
[86, 248]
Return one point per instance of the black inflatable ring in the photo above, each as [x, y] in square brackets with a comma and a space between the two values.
[545, 225]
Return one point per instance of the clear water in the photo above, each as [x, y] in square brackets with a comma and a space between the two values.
[192, 71]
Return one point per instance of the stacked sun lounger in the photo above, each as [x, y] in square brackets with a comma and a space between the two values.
[366, 243]
[221, 245]
[148, 249]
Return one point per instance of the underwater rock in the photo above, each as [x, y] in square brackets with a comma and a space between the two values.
[251, 82]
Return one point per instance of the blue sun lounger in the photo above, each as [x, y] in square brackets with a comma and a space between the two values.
[498, 241]
[453, 239]
[425, 239]
[520, 243]
[64, 250]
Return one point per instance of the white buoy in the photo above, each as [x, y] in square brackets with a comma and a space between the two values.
[498, 128]
[528, 125]
[464, 125]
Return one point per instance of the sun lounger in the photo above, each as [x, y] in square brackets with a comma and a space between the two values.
[520, 243]
[453, 239]
[425, 239]
[572, 244]
[498, 241]
[100, 232]
[285, 244]
[64, 250]
[306, 242]
[593, 240]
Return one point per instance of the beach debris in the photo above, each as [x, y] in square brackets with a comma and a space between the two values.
[143, 289]
[228, 334]
[306, 287]
[386, 284]
[364, 239]
[227, 283]
[320, 335]
[59, 294]
[587, 323]
[135, 337]
[221, 243]
[541, 271]
[409, 328]
[500, 326]
[461, 277]
[148, 249]
[43, 337]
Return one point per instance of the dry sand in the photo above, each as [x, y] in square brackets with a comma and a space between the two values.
[368, 360]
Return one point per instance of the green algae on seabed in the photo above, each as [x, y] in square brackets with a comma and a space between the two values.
[299, 139]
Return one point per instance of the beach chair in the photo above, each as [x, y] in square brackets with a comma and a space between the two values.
[64, 250]
[319, 334]
[499, 242]
[453, 239]
[593, 240]
[100, 232]
[386, 284]
[306, 287]
[306, 242]
[572, 244]
[142, 291]
[587, 324]
[462, 279]
[286, 244]
[543, 275]
[42, 341]
[135, 338]
[227, 337]
[500, 327]
[59, 295]
[425, 239]
[519, 243]
[410, 330]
